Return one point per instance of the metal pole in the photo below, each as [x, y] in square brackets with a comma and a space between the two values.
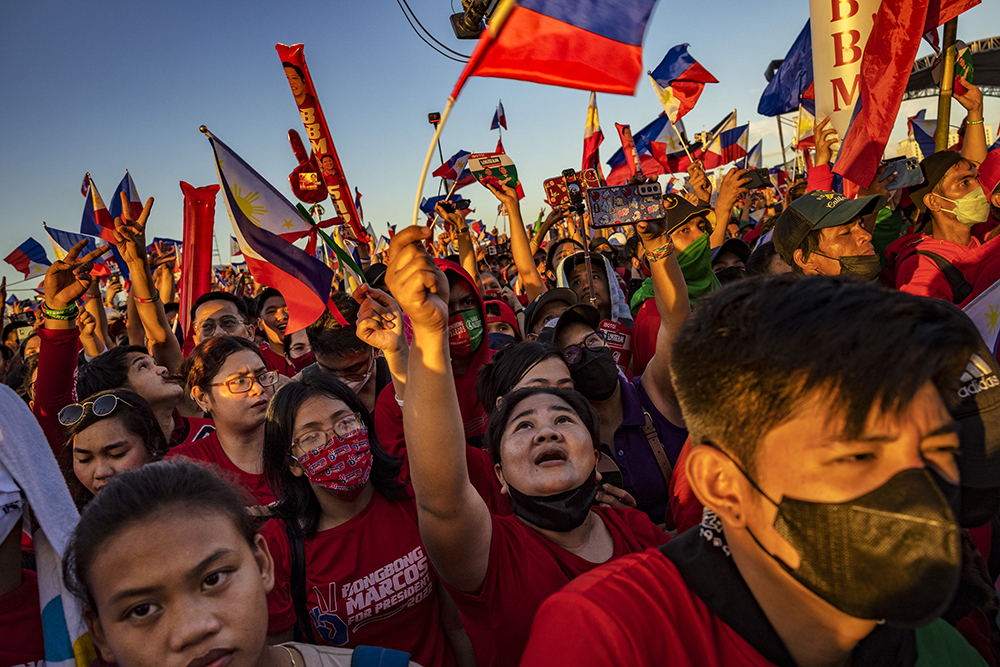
[781, 138]
[947, 82]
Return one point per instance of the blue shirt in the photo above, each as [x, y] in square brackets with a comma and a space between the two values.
[641, 474]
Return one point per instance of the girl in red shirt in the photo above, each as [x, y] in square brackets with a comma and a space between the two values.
[227, 378]
[364, 577]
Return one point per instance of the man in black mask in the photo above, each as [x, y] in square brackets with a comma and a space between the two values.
[825, 233]
[729, 260]
[824, 454]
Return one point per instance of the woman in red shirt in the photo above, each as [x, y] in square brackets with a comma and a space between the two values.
[227, 378]
[364, 577]
[544, 443]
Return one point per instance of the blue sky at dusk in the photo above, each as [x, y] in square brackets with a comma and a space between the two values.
[102, 86]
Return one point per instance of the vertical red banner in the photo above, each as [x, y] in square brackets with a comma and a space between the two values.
[196, 254]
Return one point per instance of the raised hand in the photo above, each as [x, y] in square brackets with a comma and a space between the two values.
[700, 184]
[130, 235]
[826, 137]
[454, 218]
[971, 99]
[505, 194]
[68, 278]
[380, 321]
[879, 186]
[731, 190]
[418, 285]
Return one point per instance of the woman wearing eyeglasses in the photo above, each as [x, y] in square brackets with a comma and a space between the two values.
[364, 577]
[227, 378]
[107, 434]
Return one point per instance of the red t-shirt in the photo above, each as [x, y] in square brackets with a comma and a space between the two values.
[636, 611]
[526, 567]
[189, 429]
[644, 334]
[369, 582]
[210, 450]
[21, 640]
[277, 362]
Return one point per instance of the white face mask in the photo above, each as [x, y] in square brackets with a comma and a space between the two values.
[971, 209]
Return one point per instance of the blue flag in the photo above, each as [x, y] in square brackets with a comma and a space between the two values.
[791, 80]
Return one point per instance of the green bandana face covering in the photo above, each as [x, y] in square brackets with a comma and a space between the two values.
[696, 265]
[465, 332]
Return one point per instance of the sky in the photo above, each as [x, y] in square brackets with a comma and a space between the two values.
[104, 86]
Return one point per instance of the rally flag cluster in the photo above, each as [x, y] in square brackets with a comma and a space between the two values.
[29, 258]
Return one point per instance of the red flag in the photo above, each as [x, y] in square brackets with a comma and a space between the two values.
[885, 70]
[196, 258]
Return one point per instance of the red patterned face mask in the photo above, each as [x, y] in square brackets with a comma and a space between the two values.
[342, 466]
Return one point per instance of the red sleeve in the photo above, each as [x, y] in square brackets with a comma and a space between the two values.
[389, 428]
[606, 641]
[280, 614]
[921, 276]
[54, 389]
[644, 333]
[503, 585]
[820, 178]
[685, 507]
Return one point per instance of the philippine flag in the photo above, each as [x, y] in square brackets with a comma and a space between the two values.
[456, 169]
[97, 221]
[29, 258]
[592, 137]
[734, 143]
[713, 156]
[499, 118]
[255, 209]
[134, 203]
[586, 44]
[755, 158]
[922, 131]
[62, 242]
[678, 81]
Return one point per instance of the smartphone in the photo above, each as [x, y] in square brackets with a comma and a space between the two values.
[451, 207]
[491, 250]
[908, 173]
[759, 178]
[556, 192]
[617, 205]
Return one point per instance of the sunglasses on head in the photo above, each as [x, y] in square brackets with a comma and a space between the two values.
[100, 407]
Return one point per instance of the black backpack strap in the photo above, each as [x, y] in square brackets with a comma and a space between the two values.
[960, 287]
[303, 629]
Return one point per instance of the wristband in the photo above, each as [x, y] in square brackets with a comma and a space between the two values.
[661, 253]
[974, 122]
[64, 314]
[152, 299]
[88, 295]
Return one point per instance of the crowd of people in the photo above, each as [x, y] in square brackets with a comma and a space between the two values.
[754, 430]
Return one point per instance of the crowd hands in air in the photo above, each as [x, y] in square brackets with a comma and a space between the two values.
[758, 432]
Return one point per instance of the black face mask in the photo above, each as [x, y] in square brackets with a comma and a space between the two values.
[864, 267]
[562, 512]
[498, 340]
[894, 553]
[731, 274]
[596, 374]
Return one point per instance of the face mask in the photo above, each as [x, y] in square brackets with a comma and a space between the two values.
[971, 209]
[562, 512]
[498, 340]
[731, 274]
[342, 466]
[465, 332]
[696, 265]
[863, 267]
[595, 375]
[894, 553]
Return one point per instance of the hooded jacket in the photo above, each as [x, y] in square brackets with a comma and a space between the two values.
[619, 305]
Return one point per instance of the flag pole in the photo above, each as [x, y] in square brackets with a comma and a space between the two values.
[430, 156]
[947, 85]
[781, 139]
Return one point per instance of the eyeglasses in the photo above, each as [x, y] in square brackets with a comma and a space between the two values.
[244, 383]
[101, 407]
[352, 377]
[574, 353]
[315, 439]
[229, 324]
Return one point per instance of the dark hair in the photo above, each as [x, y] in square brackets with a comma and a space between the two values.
[751, 354]
[240, 304]
[632, 247]
[208, 358]
[759, 262]
[328, 337]
[27, 370]
[24, 345]
[172, 307]
[137, 495]
[265, 294]
[498, 420]
[506, 369]
[796, 190]
[297, 500]
[108, 370]
[137, 418]
[296, 68]
[550, 252]
[809, 245]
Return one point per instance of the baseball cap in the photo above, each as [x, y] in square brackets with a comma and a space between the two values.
[735, 246]
[564, 294]
[577, 259]
[819, 209]
[581, 312]
[375, 273]
[499, 311]
[934, 167]
[679, 210]
[617, 239]
[989, 172]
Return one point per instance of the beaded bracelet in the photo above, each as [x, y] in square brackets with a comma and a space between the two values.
[662, 252]
[974, 122]
[152, 299]
[64, 314]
